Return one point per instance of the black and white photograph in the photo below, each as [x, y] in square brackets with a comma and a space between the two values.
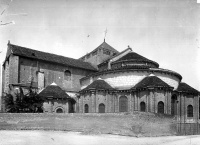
[99, 72]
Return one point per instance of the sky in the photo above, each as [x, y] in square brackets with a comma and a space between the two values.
[165, 31]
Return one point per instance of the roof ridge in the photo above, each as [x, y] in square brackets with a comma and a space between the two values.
[46, 52]
[51, 57]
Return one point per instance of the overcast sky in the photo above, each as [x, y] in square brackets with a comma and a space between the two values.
[166, 31]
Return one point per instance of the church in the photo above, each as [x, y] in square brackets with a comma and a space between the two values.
[102, 81]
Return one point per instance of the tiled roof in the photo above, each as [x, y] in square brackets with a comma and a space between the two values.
[104, 45]
[98, 85]
[34, 54]
[151, 81]
[54, 91]
[107, 46]
[136, 57]
[183, 87]
[107, 60]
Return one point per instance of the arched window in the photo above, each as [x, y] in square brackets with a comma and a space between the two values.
[86, 108]
[161, 107]
[123, 104]
[59, 110]
[189, 111]
[101, 108]
[174, 105]
[142, 107]
[67, 75]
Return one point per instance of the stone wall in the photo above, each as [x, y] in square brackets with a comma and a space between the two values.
[52, 73]
[183, 101]
[151, 98]
[51, 106]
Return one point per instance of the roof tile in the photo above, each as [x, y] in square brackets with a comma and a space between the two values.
[34, 54]
[151, 81]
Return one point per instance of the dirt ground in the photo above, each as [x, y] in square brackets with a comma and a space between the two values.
[10, 137]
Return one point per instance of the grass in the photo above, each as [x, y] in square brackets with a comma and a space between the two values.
[135, 124]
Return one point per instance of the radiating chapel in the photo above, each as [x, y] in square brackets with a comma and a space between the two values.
[102, 81]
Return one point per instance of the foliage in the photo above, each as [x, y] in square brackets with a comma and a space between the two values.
[20, 103]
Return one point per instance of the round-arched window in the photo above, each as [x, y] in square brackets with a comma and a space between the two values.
[161, 107]
[67, 75]
[59, 110]
[189, 111]
[86, 108]
[142, 107]
[101, 108]
[123, 104]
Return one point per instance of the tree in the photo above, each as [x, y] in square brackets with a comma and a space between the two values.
[30, 103]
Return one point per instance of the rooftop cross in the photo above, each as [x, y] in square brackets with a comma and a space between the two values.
[105, 34]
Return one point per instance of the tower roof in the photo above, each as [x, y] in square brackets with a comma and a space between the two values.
[107, 46]
[132, 56]
[183, 87]
[98, 85]
[103, 45]
[54, 91]
[151, 82]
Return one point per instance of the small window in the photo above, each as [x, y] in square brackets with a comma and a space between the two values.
[189, 111]
[67, 75]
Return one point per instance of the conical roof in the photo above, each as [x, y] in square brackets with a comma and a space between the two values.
[54, 91]
[132, 56]
[151, 82]
[183, 87]
[98, 85]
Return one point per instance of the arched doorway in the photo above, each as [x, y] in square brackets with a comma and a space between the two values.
[59, 110]
[174, 105]
[123, 104]
[161, 107]
[86, 108]
[101, 108]
[142, 107]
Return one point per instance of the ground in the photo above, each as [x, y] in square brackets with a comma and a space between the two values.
[75, 138]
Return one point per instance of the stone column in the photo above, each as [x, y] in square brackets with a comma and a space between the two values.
[151, 100]
[166, 102]
[135, 100]
[178, 107]
[196, 108]
[107, 102]
[138, 101]
[154, 101]
[92, 104]
[129, 102]
[116, 103]
[169, 96]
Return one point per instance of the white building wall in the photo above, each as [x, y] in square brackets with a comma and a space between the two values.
[127, 80]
